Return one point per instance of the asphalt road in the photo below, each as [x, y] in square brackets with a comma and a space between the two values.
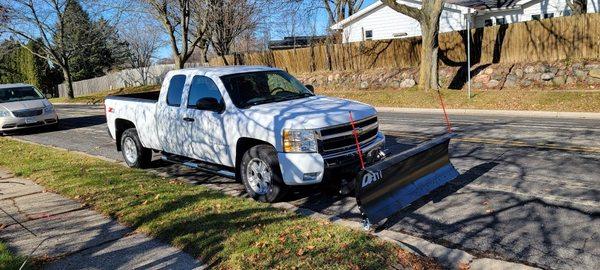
[529, 189]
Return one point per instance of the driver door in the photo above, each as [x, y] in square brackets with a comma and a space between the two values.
[206, 134]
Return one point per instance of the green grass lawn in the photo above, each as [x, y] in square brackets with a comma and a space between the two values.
[99, 97]
[529, 100]
[226, 232]
[10, 261]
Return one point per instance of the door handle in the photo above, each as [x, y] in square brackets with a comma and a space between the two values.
[188, 119]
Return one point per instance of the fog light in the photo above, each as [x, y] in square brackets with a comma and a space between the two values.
[310, 176]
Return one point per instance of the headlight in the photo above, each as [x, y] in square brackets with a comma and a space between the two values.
[304, 141]
[49, 109]
[4, 113]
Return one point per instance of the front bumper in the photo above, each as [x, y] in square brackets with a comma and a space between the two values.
[11, 123]
[310, 168]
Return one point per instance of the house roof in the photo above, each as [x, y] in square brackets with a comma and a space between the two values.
[365, 11]
[479, 5]
[485, 4]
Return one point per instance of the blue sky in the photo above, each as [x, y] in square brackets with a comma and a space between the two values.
[165, 52]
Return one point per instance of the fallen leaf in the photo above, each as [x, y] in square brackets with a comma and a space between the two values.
[310, 247]
[300, 252]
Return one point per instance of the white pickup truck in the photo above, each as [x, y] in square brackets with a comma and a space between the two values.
[257, 124]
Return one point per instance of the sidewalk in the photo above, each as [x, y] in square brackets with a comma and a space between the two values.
[70, 236]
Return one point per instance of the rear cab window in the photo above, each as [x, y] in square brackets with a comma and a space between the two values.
[175, 92]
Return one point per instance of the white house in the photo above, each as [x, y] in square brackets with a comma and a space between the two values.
[377, 21]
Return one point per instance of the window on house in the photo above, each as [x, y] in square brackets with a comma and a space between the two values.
[548, 15]
[535, 17]
[488, 22]
[500, 21]
[369, 34]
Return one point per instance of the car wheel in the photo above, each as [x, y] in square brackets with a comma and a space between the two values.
[261, 174]
[135, 155]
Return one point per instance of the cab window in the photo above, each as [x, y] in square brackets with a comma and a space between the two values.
[203, 87]
[175, 90]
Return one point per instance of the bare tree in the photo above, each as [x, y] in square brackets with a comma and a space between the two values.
[428, 17]
[142, 42]
[41, 22]
[185, 24]
[577, 7]
[230, 19]
[338, 10]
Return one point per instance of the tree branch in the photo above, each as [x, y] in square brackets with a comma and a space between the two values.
[412, 12]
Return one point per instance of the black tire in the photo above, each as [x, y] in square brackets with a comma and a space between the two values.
[142, 156]
[276, 187]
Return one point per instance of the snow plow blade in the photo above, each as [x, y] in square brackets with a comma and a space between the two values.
[389, 185]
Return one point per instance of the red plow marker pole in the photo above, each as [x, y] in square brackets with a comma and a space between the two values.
[360, 154]
[448, 125]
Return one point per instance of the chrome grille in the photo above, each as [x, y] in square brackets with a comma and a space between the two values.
[28, 113]
[340, 138]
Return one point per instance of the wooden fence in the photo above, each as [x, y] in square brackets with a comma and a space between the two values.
[573, 37]
[124, 78]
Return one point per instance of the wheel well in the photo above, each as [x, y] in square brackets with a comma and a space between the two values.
[120, 126]
[243, 144]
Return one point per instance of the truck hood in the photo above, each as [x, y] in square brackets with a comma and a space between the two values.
[309, 113]
[24, 105]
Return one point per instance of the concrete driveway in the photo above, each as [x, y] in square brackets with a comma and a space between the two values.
[529, 190]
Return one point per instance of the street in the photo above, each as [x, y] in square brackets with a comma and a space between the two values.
[529, 189]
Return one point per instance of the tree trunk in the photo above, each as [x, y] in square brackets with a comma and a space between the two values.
[428, 70]
[224, 57]
[179, 64]
[205, 54]
[69, 80]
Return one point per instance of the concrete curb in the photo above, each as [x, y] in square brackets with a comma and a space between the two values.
[77, 104]
[453, 258]
[526, 114]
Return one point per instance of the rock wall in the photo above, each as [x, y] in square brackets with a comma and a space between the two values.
[515, 76]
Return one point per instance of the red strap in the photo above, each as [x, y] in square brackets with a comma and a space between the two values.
[448, 125]
[360, 154]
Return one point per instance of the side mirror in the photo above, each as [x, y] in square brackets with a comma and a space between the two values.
[209, 104]
[310, 88]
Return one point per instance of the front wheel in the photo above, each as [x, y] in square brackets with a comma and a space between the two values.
[134, 153]
[261, 175]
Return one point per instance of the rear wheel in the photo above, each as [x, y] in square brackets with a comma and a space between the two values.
[134, 153]
[261, 175]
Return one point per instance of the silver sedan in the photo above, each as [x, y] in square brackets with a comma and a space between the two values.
[23, 106]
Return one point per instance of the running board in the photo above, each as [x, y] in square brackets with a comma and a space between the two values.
[208, 168]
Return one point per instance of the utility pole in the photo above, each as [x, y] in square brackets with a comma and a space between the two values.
[469, 52]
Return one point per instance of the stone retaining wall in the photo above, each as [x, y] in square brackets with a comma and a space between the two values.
[515, 76]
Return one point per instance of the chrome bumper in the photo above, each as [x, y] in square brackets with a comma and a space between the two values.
[350, 157]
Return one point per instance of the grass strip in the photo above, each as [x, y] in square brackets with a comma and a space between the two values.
[222, 231]
[527, 100]
[510, 99]
[10, 261]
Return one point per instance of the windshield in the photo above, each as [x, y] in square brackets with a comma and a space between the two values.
[21, 93]
[248, 89]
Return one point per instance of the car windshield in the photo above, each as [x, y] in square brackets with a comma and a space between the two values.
[249, 89]
[21, 93]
